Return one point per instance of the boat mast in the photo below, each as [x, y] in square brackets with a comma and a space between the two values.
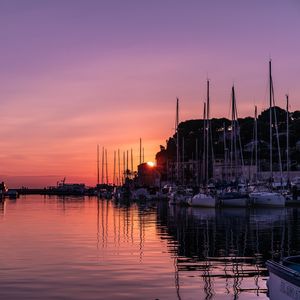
[102, 173]
[204, 145]
[124, 168]
[177, 139]
[127, 166]
[98, 171]
[270, 117]
[225, 151]
[233, 156]
[131, 154]
[255, 137]
[140, 151]
[207, 133]
[287, 139]
[114, 177]
[106, 167]
[119, 168]
[182, 161]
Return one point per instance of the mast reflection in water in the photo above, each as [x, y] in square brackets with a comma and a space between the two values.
[84, 248]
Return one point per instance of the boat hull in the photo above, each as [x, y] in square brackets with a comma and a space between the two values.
[283, 282]
[202, 200]
[267, 199]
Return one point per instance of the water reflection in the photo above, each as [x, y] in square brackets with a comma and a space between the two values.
[228, 248]
[76, 248]
[2, 208]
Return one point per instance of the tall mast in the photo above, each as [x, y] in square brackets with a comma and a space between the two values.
[98, 171]
[119, 168]
[114, 176]
[106, 167]
[182, 166]
[271, 109]
[256, 141]
[140, 150]
[225, 151]
[131, 154]
[197, 163]
[177, 138]
[102, 173]
[204, 144]
[207, 133]
[232, 134]
[127, 163]
[287, 138]
[124, 169]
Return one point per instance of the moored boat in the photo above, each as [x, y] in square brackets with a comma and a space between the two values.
[271, 199]
[180, 197]
[284, 278]
[202, 200]
[12, 194]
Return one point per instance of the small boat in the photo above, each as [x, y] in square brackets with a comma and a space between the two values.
[284, 279]
[12, 194]
[270, 199]
[202, 200]
[180, 197]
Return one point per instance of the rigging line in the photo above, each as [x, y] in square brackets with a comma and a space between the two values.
[276, 129]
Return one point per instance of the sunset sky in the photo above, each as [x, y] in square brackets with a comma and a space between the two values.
[74, 74]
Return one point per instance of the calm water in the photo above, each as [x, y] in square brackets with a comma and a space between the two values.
[84, 248]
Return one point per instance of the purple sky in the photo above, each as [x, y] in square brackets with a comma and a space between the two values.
[74, 74]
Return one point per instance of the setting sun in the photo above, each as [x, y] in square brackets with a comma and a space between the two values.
[150, 163]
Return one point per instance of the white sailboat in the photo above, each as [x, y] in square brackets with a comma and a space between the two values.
[235, 197]
[270, 198]
[204, 199]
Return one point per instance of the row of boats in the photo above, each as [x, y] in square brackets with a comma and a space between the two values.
[228, 198]
[241, 195]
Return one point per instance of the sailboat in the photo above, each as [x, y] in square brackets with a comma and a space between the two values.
[179, 195]
[235, 197]
[270, 198]
[203, 198]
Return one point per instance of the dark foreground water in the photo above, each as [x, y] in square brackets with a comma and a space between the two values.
[84, 248]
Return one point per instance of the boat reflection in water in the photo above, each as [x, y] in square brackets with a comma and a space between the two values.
[2, 208]
[228, 248]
